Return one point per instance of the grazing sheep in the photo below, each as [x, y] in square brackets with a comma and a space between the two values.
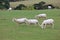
[47, 22]
[19, 21]
[32, 21]
[41, 16]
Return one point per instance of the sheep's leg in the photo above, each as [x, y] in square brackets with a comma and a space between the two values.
[35, 24]
[44, 26]
[52, 25]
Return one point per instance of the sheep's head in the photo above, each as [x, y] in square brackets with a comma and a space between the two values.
[41, 26]
[36, 17]
[13, 19]
[26, 19]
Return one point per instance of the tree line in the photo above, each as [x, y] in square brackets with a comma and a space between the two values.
[4, 4]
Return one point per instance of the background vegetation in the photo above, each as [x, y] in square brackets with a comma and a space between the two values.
[5, 4]
[31, 2]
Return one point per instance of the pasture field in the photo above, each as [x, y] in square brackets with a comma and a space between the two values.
[10, 31]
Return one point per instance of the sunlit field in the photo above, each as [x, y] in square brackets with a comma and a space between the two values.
[11, 31]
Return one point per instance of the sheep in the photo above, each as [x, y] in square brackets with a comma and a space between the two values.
[41, 16]
[19, 20]
[47, 22]
[49, 7]
[32, 21]
[10, 9]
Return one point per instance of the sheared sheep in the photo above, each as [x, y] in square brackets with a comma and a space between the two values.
[32, 21]
[47, 22]
[19, 20]
[41, 16]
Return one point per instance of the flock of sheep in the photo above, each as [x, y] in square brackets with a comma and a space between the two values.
[35, 21]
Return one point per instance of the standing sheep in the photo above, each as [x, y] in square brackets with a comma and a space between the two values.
[32, 21]
[41, 16]
[19, 21]
[47, 22]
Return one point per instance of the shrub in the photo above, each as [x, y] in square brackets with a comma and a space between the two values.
[1, 5]
[4, 4]
[7, 5]
[36, 6]
[39, 5]
[20, 7]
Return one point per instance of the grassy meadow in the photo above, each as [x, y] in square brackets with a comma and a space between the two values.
[10, 31]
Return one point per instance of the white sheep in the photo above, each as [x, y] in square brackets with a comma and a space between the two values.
[19, 20]
[49, 7]
[47, 22]
[32, 21]
[10, 9]
[41, 16]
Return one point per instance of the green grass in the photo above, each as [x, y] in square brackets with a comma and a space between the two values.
[10, 31]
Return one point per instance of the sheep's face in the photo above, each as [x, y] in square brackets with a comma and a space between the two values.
[41, 26]
[13, 19]
[26, 20]
[37, 17]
